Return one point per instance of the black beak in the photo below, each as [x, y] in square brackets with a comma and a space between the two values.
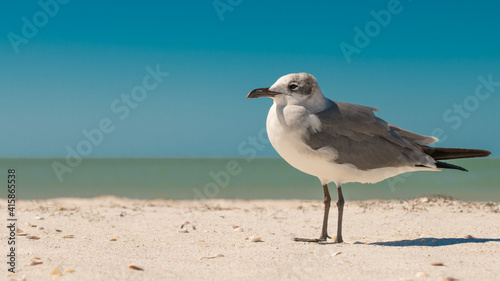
[261, 92]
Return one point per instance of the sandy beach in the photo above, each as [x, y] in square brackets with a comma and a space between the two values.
[110, 238]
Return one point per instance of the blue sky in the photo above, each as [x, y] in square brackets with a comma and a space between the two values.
[421, 68]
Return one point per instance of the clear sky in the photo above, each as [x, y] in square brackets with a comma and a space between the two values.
[69, 66]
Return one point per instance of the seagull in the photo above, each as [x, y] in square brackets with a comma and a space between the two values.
[341, 143]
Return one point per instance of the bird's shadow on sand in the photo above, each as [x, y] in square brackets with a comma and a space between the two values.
[432, 242]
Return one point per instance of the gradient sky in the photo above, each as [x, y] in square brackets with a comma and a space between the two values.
[416, 69]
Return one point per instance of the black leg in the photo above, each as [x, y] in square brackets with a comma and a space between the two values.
[326, 201]
[324, 228]
[340, 206]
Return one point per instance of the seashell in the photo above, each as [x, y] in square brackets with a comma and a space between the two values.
[238, 229]
[213, 257]
[36, 261]
[135, 267]
[33, 237]
[188, 223]
[22, 234]
[69, 236]
[424, 200]
[336, 254]
[39, 218]
[69, 270]
[56, 271]
[256, 239]
[422, 275]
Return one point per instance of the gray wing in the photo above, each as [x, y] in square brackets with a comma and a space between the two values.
[366, 141]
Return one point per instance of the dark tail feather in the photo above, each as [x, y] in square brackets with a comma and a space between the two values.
[445, 165]
[442, 153]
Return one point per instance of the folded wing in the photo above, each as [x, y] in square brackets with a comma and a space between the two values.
[366, 141]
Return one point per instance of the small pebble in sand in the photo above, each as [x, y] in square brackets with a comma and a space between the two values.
[238, 229]
[69, 270]
[33, 237]
[69, 236]
[447, 278]
[22, 234]
[112, 239]
[256, 239]
[39, 218]
[135, 267]
[183, 230]
[422, 275]
[56, 271]
[58, 230]
[437, 263]
[468, 237]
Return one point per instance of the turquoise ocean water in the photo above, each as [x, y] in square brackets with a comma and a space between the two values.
[260, 178]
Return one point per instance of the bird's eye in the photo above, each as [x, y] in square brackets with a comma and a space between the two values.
[293, 87]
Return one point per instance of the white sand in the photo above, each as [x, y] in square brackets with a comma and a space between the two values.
[386, 240]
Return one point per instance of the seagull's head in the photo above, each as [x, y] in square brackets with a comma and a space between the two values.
[294, 89]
